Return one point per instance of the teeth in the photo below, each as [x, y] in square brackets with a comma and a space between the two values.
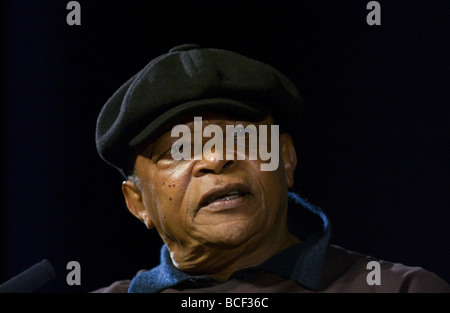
[228, 196]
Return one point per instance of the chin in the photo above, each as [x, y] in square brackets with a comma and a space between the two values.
[230, 236]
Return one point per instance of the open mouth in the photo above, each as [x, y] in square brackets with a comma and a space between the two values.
[224, 194]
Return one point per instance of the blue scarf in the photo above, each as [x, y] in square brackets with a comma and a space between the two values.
[301, 262]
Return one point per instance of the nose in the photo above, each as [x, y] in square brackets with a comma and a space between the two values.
[212, 163]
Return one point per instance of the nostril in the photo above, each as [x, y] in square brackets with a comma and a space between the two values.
[212, 167]
[206, 171]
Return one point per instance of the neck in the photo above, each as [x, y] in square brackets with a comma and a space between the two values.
[248, 256]
[220, 262]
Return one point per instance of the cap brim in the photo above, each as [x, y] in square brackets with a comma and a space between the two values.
[233, 108]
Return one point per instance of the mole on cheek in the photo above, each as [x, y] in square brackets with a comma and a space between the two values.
[170, 198]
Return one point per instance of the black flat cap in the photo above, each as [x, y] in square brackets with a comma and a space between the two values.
[186, 79]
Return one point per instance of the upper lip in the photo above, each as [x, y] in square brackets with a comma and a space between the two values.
[216, 192]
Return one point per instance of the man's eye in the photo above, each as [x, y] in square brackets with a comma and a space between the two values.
[241, 131]
[180, 151]
[177, 149]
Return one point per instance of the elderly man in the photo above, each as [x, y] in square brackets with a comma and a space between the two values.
[202, 137]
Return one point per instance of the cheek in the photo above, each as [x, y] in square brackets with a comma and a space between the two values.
[165, 203]
[172, 188]
[161, 199]
[164, 210]
[273, 179]
[274, 188]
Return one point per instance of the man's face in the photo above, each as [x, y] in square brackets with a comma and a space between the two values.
[210, 203]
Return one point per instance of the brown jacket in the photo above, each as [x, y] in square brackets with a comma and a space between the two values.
[343, 271]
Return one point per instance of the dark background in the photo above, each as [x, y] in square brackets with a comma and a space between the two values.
[373, 141]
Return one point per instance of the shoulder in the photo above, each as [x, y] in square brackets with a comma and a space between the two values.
[120, 286]
[349, 271]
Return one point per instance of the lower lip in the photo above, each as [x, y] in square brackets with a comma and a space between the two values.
[220, 205]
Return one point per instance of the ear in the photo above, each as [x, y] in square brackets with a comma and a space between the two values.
[135, 204]
[289, 157]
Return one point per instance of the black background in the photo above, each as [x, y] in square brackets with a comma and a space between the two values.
[373, 141]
